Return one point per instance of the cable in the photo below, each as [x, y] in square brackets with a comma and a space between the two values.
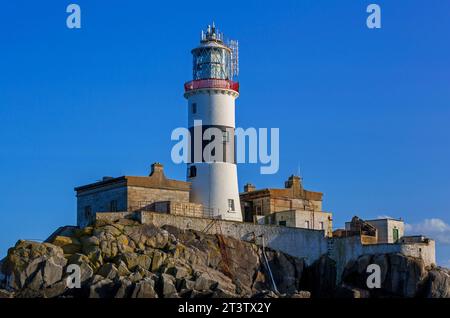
[268, 266]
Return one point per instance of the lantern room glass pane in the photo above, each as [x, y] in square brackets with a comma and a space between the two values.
[211, 63]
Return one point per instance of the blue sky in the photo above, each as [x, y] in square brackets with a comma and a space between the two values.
[363, 113]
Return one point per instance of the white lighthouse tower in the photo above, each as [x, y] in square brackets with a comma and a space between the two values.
[211, 106]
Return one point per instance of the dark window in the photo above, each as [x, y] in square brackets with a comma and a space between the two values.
[231, 205]
[87, 212]
[113, 206]
[194, 108]
[192, 172]
[282, 223]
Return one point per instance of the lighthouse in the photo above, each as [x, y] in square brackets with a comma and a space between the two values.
[211, 99]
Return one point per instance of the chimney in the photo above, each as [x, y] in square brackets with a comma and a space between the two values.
[249, 187]
[157, 169]
[294, 183]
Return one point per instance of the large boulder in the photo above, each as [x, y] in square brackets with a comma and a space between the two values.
[102, 288]
[437, 284]
[144, 289]
[401, 276]
[320, 277]
[33, 265]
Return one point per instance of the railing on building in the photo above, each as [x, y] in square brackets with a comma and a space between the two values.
[211, 83]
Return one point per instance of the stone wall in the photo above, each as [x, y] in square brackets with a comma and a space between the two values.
[100, 201]
[179, 208]
[299, 219]
[139, 196]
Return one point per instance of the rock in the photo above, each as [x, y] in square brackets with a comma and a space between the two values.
[86, 231]
[185, 284]
[157, 261]
[109, 271]
[51, 273]
[104, 288]
[87, 241]
[56, 290]
[321, 277]
[125, 289]
[132, 260]
[405, 275]
[143, 261]
[178, 271]
[382, 261]
[123, 269]
[347, 291]
[112, 229]
[6, 294]
[204, 283]
[401, 276]
[25, 261]
[144, 289]
[284, 272]
[265, 294]
[437, 284]
[70, 245]
[167, 286]
[36, 282]
[85, 269]
[301, 294]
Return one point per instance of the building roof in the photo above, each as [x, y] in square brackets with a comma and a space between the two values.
[156, 180]
[283, 193]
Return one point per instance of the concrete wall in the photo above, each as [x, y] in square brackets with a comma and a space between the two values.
[302, 243]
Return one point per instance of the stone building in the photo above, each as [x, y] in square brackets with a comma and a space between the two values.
[386, 230]
[130, 193]
[292, 206]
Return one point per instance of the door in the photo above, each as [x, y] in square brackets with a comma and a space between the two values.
[395, 234]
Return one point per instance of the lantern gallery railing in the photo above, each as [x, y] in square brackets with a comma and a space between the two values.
[211, 83]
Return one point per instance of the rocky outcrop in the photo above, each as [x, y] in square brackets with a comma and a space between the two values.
[401, 276]
[127, 259]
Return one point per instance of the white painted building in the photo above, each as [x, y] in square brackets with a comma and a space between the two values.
[388, 230]
[211, 107]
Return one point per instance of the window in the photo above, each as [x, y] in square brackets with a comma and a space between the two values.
[282, 223]
[113, 206]
[322, 227]
[306, 224]
[194, 108]
[230, 204]
[87, 212]
[192, 172]
[225, 136]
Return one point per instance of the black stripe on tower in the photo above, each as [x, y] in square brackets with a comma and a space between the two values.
[216, 144]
